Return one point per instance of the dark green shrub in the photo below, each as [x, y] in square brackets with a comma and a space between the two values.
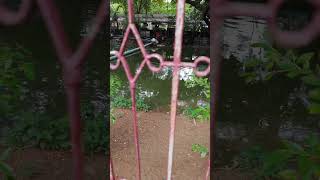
[16, 67]
[290, 162]
[298, 66]
[39, 130]
[199, 113]
[119, 100]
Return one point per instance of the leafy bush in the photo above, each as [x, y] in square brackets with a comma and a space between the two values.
[200, 149]
[122, 102]
[195, 81]
[199, 113]
[289, 64]
[115, 85]
[290, 162]
[153, 7]
[42, 131]
[39, 130]
[15, 68]
[118, 100]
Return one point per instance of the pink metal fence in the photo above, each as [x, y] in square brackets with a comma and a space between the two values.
[176, 64]
[71, 61]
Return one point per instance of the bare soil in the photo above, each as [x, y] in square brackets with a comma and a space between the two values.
[154, 135]
[35, 164]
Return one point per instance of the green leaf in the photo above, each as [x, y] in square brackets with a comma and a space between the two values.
[28, 70]
[270, 65]
[269, 76]
[275, 161]
[290, 56]
[315, 94]
[7, 171]
[311, 80]
[293, 147]
[314, 108]
[250, 79]
[287, 66]
[306, 57]
[288, 174]
[253, 62]
[306, 167]
[293, 74]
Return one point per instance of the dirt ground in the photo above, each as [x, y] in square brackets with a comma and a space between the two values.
[154, 135]
[35, 164]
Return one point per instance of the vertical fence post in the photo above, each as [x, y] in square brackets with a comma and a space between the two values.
[175, 81]
[176, 64]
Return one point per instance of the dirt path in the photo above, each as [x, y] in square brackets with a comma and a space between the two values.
[154, 135]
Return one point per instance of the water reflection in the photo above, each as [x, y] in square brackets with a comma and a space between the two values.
[185, 73]
[239, 33]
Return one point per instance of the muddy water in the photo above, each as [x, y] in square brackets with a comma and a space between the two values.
[155, 88]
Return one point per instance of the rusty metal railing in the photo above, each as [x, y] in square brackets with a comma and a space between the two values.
[176, 64]
[70, 60]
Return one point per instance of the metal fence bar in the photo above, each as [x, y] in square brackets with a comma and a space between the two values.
[176, 64]
[175, 80]
[70, 60]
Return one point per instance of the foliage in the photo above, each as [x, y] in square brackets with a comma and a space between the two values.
[95, 131]
[200, 113]
[194, 81]
[290, 162]
[144, 6]
[15, 68]
[112, 116]
[42, 131]
[251, 159]
[118, 100]
[122, 102]
[115, 85]
[200, 149]
[118, 7]
[39, 130]
[289, 64]
[5, 169]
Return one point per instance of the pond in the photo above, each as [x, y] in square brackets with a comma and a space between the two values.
[156, 87]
